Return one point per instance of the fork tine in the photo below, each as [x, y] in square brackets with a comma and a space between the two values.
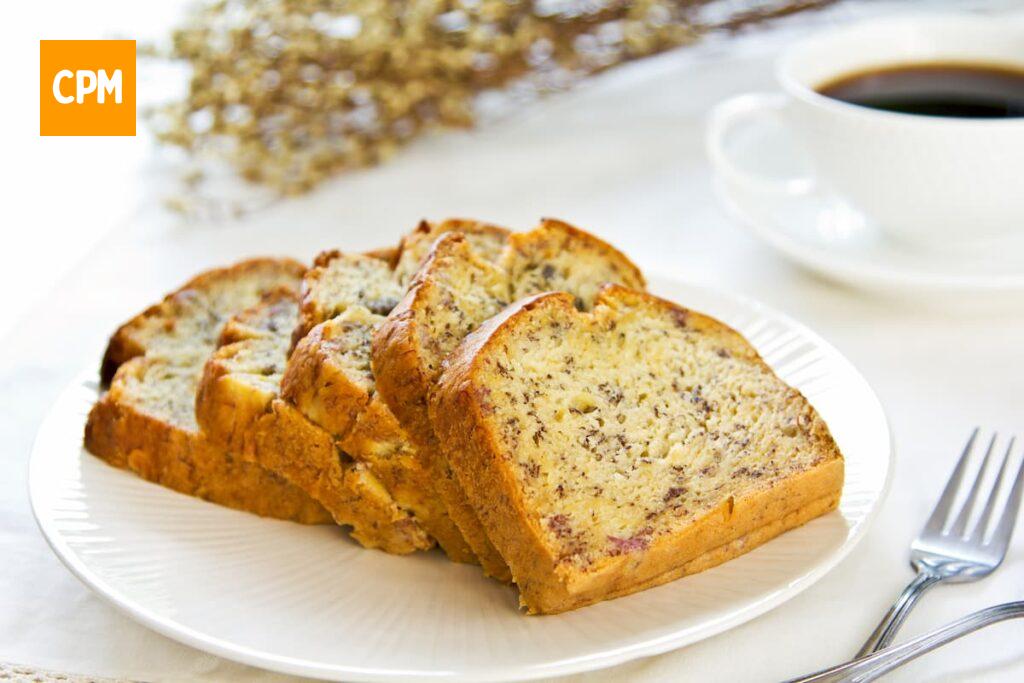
[960, 525]
[986, 515]
[941, 512]
[1001, 536]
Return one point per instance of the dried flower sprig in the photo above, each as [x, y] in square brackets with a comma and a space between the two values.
[290, 92]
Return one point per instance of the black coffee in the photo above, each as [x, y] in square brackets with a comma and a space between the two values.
[975, 91]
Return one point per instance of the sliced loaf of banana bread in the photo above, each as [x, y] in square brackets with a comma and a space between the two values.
[146, 421]
[613, 450]
[328, 377]
[456, 290]
[238, 408]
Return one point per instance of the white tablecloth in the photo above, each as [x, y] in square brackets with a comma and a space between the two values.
[621, 156]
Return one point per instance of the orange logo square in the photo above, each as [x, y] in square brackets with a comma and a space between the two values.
[87, 87]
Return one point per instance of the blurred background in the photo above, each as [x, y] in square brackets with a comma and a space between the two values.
[620, 153]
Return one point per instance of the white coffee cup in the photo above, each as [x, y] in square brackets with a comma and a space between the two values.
[923, 179]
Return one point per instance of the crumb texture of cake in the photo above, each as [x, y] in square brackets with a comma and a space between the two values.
[239, 408]
[343, 280]
[489, 241]
[189, 320]
[613, 450]
[329, 379]
[146, 422]
[457, 289]
[243, 375]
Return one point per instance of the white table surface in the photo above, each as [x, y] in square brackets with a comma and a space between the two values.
[623, 157]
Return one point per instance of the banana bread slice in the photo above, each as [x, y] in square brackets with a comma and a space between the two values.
[239, 409]
[146, 421]
[614, 450]
[454, 292]
[328, 377]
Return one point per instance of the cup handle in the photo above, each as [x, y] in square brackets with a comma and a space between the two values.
[724, 118]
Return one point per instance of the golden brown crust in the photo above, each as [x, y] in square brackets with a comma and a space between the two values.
[450, 414]
[425, 230]
[124, 344]
[329, 396]
[567, 238]
[405, 356]
[402, 381]
[318, 387]
[399, 370]
[381, 442]
[285, 441]
[489, 239]
[340, 397]
[128, 341]
[186, 462]
[546, 586]
[146, 421]
[715, 556]
[364, 427]
[227, 407]
[387, 254]
[235, 408]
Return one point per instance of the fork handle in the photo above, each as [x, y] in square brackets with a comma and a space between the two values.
[871, 667]
[897, 614]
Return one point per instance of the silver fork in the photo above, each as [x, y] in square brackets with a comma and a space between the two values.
[946, 550]
[882, 662]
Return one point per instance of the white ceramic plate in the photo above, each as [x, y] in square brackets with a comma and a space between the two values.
[306, 600]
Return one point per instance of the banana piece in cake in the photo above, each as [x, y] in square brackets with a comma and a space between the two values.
[614, 450]
[145, 421]
[455, 291]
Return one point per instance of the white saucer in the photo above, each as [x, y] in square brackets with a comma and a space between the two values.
[305, 600]
[823, 233]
